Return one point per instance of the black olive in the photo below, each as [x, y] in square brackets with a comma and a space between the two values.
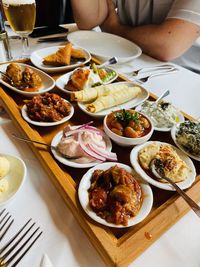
[164, 105]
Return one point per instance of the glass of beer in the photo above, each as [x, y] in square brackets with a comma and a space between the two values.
[21, 15]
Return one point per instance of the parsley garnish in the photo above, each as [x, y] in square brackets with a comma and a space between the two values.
[126, 116]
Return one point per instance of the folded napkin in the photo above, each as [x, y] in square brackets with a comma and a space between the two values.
[45, 262]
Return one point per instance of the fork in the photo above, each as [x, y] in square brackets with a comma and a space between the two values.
[5, 223]
[40, 143]
[9, 79]
[10, 251]
[145, 79]
[152, 68]
[111, 61]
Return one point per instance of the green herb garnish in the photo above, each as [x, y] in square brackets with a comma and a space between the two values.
[126, 116]
[96, 84]
[109, 76]
[93, 66]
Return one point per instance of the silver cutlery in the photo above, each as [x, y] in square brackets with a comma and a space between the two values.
[14, 37]
[12, 83]
[164, 94]
[111, 61]
[152, 68]
[52, 39]
[33, 141]
[7, 77]
[40, 143]
[15, 249]
[145, 79]
[5, 222]
[157, 169]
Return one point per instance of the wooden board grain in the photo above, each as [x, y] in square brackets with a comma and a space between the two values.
[117, 247]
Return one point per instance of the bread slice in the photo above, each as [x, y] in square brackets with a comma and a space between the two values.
[61, 58]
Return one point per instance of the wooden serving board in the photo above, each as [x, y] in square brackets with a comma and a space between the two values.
[117, 247]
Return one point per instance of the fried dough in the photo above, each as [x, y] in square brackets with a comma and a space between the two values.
[61, 58]
[76, 53]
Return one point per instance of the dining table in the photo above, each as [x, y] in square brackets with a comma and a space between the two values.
[63, 240]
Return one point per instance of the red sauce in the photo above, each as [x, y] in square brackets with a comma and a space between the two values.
[148, 235]
[115, 195]
[128, 123]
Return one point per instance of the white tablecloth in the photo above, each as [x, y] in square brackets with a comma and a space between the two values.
[63, 239]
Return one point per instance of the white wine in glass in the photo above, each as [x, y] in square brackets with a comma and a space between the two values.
[21, 15]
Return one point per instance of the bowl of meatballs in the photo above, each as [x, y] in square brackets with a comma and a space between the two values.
[25, 79]
[127, 127]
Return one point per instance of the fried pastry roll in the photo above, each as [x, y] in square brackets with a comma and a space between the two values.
[116, 98]
[90, 94]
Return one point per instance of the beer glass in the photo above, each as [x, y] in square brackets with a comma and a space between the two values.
[21, 15]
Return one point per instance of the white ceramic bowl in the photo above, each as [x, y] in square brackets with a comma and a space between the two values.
[105, 45]
[166, 186]
[63, 79]
[126, 141]
[85, 184]
[15, 178]
[179, 118]
[46, 124]
[38, 55]
[127, 105]
[70, 162]
[48, 83]
[174, 131]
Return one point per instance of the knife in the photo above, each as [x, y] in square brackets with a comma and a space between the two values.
[53, 39]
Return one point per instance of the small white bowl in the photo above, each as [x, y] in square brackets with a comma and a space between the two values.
[63, 79]
[48, 82]
[127, 141]
[46, 124]
[38, 55]
[174, 131]
[15, 178]
[180, 118]
[85, 184]
[70, 162]
[166, 186]
[127, 105]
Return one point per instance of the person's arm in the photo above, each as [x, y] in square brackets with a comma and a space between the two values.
[165, 41]
[89, 13]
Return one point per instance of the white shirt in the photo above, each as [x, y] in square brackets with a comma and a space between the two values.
[141, 12]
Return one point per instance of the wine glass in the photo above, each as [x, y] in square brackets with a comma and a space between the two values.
[21, 15]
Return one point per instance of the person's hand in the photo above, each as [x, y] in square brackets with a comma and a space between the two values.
[112, 22]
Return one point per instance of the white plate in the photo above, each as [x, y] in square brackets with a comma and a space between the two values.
[63, 80]
[183, 185]
[15, 178]
[129, 104]
[84, 199]
[48, 83]
[38, 55]
[71, 163]
[164, 129]
[39, 123]
[105, 45]
[173, 135]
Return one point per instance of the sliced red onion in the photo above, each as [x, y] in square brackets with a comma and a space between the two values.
[88, 151]
[96, 130]
[102, 152]
[88, 126]
[85, 125]
[72, 132]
